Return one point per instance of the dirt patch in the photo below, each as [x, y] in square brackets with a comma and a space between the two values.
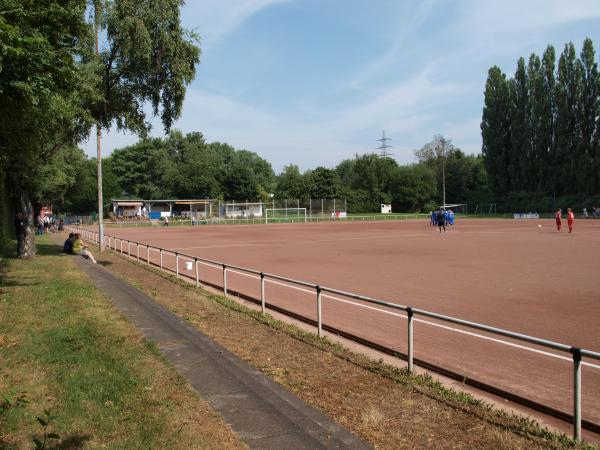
[377, 402]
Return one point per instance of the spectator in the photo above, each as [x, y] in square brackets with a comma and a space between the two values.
[68, 246]
[40, 225]
[21, 231]
[80, 249]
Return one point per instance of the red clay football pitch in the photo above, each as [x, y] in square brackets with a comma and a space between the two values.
[511, 274]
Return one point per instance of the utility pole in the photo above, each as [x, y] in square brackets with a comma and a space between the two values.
[384, 146]
[99, 152]
[443, 144]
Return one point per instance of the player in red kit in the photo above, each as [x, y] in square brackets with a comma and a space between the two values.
[570, 219]
[558, 217]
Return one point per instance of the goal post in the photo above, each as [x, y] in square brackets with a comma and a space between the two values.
[283, 215]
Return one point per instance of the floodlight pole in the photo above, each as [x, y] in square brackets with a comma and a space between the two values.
[443, 142]
[99, 158]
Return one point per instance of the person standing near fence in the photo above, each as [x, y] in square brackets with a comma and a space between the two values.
[570, 219]
[20, 231]
[558, 218]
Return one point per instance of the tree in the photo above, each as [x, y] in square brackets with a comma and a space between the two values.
[495, 130]
[323, 183]
[538, 132]
[436, 154]
[568, 127]
[59, 177]
[520, 150]
[546, 140]
[588, 166]
[240, 182]
[413, 187]
[146, 57]
[291, 184]
[42, 83]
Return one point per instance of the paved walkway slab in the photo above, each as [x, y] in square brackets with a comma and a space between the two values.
[261, 412]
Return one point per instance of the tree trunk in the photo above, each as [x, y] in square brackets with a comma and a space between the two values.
[27, 210]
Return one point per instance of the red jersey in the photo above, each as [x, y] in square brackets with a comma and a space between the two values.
[570, 217]
[558, 216]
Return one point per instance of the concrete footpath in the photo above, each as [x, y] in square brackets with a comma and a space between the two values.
[261, 412]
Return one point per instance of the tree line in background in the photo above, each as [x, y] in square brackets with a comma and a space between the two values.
[186, 166]
[541, 129]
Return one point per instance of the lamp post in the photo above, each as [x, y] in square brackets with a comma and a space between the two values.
[99, 156]
[443, 144]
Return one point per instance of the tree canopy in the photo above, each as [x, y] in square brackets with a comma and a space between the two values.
[53, 87]
[541, 128]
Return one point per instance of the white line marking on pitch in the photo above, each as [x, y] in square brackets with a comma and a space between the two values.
[457, 330]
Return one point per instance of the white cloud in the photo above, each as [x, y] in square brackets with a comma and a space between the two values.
[410, 18]
[510, 16]
[213, 19]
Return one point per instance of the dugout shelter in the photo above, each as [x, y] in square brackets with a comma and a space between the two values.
[155, 209]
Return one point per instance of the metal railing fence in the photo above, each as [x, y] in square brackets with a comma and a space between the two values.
[262, 220]
[575, 353]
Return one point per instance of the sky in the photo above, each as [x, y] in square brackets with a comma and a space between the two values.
[314, 82]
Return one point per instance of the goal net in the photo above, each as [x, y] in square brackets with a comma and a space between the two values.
[283, 215]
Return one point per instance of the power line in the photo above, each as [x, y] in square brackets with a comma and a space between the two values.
[384, 146]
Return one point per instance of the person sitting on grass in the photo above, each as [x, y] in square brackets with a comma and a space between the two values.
[68, 246]
[80, 249]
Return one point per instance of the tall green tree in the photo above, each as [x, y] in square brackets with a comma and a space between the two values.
[568, 128]
[42, 83]
[588, 166]
[495, 130]
[520, 130]
[546, 134]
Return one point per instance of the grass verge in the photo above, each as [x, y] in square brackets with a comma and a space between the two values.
[75, 373]
[382, 404]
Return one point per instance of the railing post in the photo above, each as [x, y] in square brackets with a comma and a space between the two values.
[197, 272]
[121, 244]
[319, 313]
[576, 352]
[177, 265]
[224, 279]
[148, 254]
[410, 352]
[161, 259]
[262, 293]
[129, 248]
